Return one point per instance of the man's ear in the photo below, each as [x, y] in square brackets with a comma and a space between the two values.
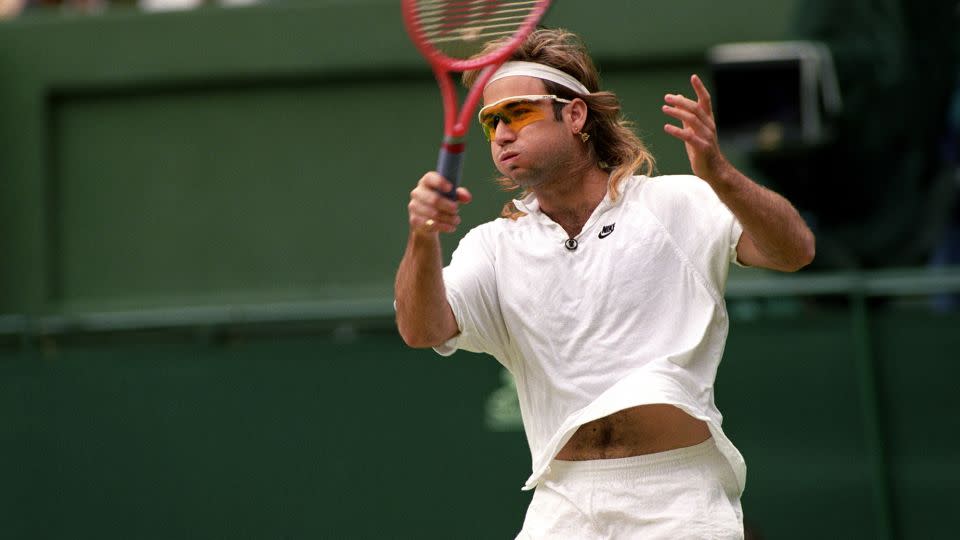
[576, 114]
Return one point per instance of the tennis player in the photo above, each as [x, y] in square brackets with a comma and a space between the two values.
[600, 288]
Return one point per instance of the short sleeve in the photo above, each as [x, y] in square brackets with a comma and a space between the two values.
[703, 227]
[471, 287]
[735, 233]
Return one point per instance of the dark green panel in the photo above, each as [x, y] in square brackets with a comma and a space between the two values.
[619, 29]
[788, 390]
[229, 194]
[273, 438]
[221, 435]
[264, 433]
[917, 353]
[17, 466]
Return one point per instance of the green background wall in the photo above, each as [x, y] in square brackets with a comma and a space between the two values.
[334, 429]
[230, 155]
[200, 217]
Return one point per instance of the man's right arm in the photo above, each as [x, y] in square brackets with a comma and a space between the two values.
[424, 317]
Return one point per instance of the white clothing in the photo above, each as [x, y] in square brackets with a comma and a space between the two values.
[634, 315]
[684, 494]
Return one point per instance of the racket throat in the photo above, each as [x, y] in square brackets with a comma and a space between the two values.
[454, 145]
[450, 164]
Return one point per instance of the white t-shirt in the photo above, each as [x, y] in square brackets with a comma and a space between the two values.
[634, 315]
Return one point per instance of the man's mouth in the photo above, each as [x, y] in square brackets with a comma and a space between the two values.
[507, 156]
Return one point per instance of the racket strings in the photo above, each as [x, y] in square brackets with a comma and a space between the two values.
[471, 21]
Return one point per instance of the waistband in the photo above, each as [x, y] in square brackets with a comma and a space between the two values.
[653, 463]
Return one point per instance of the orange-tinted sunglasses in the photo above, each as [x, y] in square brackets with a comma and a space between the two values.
[515, 111]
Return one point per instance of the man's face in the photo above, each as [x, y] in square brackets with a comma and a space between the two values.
[529, 153]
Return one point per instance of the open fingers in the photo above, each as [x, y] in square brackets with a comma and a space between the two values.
[688, 118]
[679, 101]
[687, 135]
[693, 129]
[703, 96]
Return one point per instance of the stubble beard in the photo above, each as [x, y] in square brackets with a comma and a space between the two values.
[543, 175]
[526, 181]
[553, 176]
[526, 177]
[547, 174]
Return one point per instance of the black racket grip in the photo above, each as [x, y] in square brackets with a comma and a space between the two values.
[450, 165]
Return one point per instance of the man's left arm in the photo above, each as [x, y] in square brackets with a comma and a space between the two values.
[774, 235]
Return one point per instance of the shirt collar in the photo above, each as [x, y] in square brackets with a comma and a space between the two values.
[528, 204]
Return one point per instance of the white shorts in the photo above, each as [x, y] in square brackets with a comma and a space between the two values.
[687, 493]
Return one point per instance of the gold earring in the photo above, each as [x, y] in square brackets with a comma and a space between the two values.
[584, 136]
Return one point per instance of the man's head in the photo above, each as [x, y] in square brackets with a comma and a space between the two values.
[534, 136]
[576, 106]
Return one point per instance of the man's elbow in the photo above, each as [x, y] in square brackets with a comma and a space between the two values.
[418, 338]
[417, 341]
[805, 253]
[809, 251]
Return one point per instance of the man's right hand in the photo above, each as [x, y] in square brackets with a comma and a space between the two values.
[429, 211]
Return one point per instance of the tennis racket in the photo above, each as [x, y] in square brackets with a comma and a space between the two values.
[451, 34]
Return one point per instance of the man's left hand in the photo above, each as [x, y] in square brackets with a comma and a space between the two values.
[699, 132]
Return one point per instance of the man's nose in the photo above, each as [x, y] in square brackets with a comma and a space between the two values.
[504, 133]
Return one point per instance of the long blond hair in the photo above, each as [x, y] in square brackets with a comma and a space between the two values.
[617, 147]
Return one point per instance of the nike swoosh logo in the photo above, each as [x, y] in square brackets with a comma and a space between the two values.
[606, 231]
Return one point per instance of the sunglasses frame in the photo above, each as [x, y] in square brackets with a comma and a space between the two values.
[528, 98]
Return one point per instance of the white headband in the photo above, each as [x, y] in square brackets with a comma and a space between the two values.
[540, 71]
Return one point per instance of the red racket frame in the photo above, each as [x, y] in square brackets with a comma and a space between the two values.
[456, 126]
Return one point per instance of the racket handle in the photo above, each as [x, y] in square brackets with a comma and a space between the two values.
[449, 165]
